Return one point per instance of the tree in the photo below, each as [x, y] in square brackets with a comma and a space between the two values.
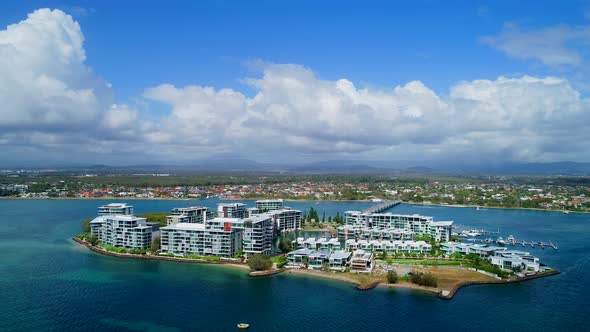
[285, 245]
[155, 244]
[239, 254]
[93, 240]
[86, 225]
[392, 277]
[330, 219]
[428, 279]
[259, 263]
[324, 217]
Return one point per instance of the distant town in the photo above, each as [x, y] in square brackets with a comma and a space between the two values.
[552, 193]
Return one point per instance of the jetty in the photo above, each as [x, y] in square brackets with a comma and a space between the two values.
[512, 241]
[386, 205]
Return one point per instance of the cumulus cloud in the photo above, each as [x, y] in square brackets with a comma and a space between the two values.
[55, 106]
[50, 97]
[293, 111]
[555, 45]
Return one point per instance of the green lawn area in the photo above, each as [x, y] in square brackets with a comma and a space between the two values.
[279, 260]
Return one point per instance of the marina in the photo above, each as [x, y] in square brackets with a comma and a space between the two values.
[514, 242]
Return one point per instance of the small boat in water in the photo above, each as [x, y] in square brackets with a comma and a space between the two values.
[500, 241]
[565, 212]
[243, 326]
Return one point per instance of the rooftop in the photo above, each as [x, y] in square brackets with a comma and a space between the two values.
[340, 254]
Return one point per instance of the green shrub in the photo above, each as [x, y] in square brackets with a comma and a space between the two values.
[259, 262]
[86, 225]
[392, 277]
[424, 279]
[285, 245]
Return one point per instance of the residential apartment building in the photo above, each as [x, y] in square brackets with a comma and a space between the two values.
[265, 205]
[441, 230]
[115, 208]
[232, 210]
[258, 232]
[286, 220]
[515, 259]
[123, 231]
[322, 244]
[191, 215]
[201, 239]
[390, 247]
[347, 232]
[362, 262]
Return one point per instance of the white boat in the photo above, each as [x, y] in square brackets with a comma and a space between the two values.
[500, 240]
[243, 326]
[565, 212]
[477, 208]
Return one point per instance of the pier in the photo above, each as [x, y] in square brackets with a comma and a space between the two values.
[513, 242]
[382, 206]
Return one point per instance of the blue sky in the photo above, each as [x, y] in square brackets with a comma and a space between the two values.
[377, 46]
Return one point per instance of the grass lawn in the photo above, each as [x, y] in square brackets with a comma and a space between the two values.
[449, 277]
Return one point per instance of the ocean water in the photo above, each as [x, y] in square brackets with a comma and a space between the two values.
[49, 283]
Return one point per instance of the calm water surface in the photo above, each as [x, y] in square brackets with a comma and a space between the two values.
[49, 283]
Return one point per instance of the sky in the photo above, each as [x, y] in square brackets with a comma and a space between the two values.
[292, 82]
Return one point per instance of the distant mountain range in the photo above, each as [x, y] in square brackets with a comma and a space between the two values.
[343, 167]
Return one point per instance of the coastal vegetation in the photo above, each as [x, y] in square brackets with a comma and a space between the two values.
[476, 262]
[392, 277]
[424, 279]
[259, 262]
[285, 246]
[156, 217]
[279, 261]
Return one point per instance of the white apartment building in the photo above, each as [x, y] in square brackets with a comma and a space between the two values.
[511, 259]
[115, 208]
[191, 215]
[286, 219]
[200, 239]
[390, 247]
[232, 210]
[123, 231]
[258, 232]
[265, 205]
[418, 224]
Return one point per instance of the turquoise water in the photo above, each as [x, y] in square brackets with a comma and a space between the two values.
[49, 283]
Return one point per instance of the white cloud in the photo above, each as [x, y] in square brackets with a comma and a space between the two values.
[51, 99]
[294, 113]
[54, 106]
[554, 45]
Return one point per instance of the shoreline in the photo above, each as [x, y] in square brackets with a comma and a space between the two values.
[286, 200]
[442, 294]
[157, 257]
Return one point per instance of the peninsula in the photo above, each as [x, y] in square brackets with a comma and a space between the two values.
[373, 248]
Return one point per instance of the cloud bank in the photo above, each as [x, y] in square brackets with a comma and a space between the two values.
[54, 105]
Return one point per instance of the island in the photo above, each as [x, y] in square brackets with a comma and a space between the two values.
[370, 248]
